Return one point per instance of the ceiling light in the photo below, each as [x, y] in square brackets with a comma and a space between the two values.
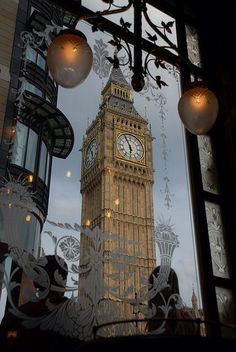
[198, 108]
[69, 58]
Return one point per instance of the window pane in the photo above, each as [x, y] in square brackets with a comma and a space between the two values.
[31, 151]
[19, 146]
[32, 88]
[41, 62]
[49, 160]
[31, 54]
[126, 197]
[34, 56]
[43, 162]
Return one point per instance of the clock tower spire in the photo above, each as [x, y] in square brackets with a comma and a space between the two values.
[116, 186]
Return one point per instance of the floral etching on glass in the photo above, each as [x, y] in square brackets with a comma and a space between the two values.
[208, 165]
[217, 245]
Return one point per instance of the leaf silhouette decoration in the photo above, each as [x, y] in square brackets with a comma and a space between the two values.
[160, 63]
[159, 82]
[97, 27]
[125, 25]
[153, 38]
[167, 26]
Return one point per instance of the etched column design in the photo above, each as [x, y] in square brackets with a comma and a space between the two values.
[208, 165]
[216, 238]
[227, 311]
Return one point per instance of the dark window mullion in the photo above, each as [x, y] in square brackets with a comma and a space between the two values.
[212, 197]
[199, 213]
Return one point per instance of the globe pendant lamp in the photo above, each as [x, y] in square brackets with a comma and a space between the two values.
[69, 58]
[198, 108]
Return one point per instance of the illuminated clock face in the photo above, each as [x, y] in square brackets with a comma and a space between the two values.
[91, 153]
[130, 147]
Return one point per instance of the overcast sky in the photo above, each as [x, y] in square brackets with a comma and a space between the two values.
[80, 105]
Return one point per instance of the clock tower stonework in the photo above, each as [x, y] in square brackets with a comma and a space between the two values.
[116, 187]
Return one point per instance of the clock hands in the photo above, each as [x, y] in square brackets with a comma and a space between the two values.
[130, 148]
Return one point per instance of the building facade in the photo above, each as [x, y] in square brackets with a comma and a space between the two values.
[32, 129]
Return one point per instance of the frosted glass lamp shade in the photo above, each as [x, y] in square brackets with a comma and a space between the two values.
[198, 109]
[69, 58]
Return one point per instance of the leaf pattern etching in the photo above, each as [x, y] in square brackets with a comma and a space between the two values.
[226, 307]
[79, 316]
[101, 65]
[217, 245]
[193, 45]
[208, 165]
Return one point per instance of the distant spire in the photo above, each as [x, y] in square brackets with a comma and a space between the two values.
[117, 76]
[194, 300]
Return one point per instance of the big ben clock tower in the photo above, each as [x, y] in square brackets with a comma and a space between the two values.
[116, 186]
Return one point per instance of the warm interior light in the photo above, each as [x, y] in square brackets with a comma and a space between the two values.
[69, 58]
[30, 178]
[28, 217]
[117, 201]
[68, 173]
[12, 334]
[198, 109]
[108, 214]
[87, 222]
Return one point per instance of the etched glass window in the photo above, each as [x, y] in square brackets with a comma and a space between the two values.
[217, 244]
[109, 207]
[226, 308]
[117, 259]
[208, 165]
[193, 45]
[31, 235]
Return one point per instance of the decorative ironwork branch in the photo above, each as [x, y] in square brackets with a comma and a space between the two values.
[108, 11]
[162, 33]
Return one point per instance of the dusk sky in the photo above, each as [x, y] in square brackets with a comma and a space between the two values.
[80, 105]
